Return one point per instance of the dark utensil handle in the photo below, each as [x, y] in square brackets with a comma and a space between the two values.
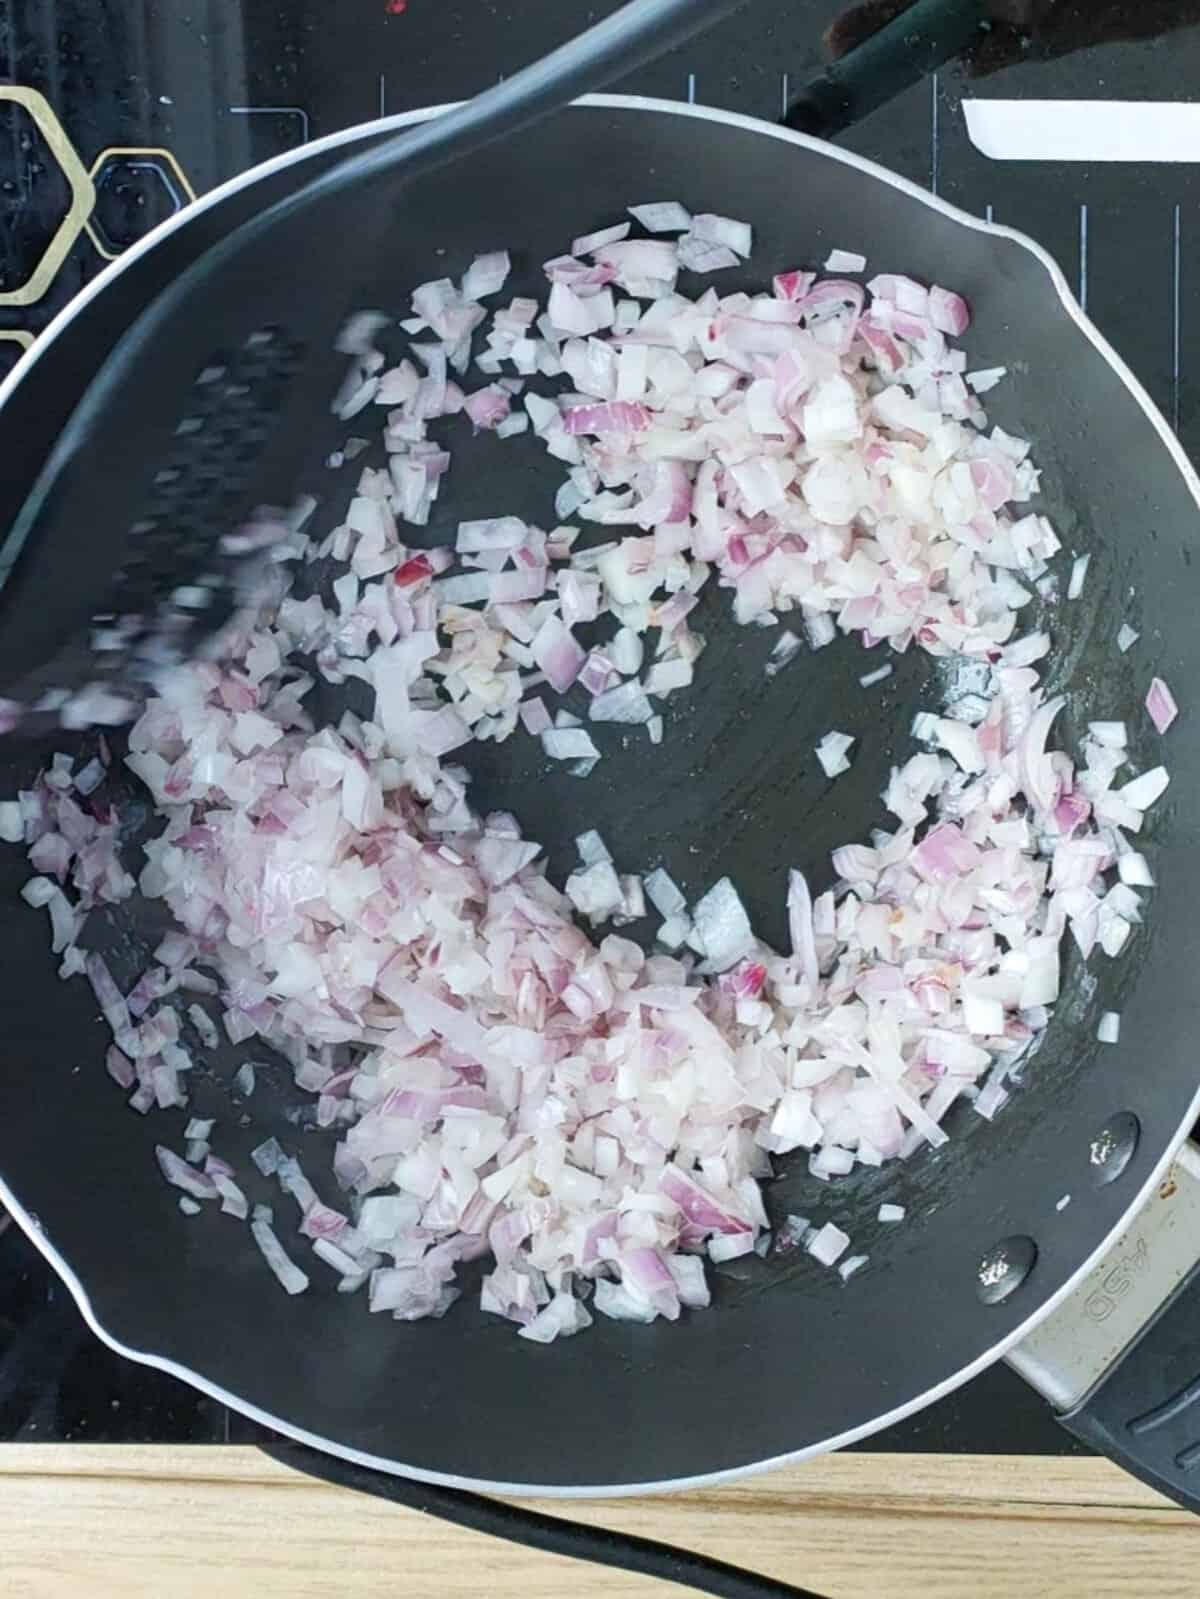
[1145, 1411]
[553, 1534]
[909, 48]
[638, 33]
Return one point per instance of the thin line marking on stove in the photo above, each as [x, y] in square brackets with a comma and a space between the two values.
[783, 94]
[1083, 247]
[987, 213]
[934, 135]
[1177, 230]
[382, 95]
[691, 88]
[275, 111]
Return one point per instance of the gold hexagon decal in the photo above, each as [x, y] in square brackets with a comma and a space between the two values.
[83, 194]
[155, 158]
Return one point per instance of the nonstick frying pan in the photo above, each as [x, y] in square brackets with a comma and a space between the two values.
[790, 1360]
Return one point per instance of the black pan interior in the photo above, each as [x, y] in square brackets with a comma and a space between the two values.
[790, 1356]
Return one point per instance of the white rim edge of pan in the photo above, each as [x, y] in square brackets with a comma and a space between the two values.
[956, 1380]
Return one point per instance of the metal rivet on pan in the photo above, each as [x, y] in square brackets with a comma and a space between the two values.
[1004, 1268]
[1111, 1150]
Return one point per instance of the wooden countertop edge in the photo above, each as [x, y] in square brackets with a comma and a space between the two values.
[171, 1521]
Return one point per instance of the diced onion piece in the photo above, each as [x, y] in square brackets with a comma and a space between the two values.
[663, 892]
[1134, 869]
[879, 675]
[292, 1279]
[722, 924]
[784, 650]
[568, 744]
[1160, 703]
[662, 216]
[845, 261]
[735, 236]
[828, 1244]
[626, 702]
[1141, 792]
[832, 753]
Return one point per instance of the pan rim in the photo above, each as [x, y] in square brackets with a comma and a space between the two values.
[28, 1223]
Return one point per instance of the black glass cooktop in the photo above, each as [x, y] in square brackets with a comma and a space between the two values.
[113, 116]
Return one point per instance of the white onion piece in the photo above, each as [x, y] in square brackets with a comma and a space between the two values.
[723, 927]
[291, 1278]
[986, 378]
[662, 216]
[1134, 869]
[736, 236]
[879, 675]
[844, 261]
[626, 702]
[784, 650]
[1141, 792]
[181, 1175]
[1078, 576]
[595, 891]
[828, 1244]
[664, 894]
[568, 744]
[832, 751]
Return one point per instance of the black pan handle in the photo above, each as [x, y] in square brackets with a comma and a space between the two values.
[552, 1534]
[908, 49]
[1120, 1359]
[1145, 1414]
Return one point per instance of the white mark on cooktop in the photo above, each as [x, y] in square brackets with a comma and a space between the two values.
[1083, 247]
[691, 88]
[382, 95]
[1084, 130]
[988, 215]
[783, 94]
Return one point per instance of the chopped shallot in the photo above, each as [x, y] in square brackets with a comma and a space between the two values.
[1109, 1030]
[505, 1075]
[828, 1244]
[832, 753]
[1160, 703]
[786, 648]
[845, 261]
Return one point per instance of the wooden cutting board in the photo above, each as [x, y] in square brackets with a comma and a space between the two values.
[164, 1522]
